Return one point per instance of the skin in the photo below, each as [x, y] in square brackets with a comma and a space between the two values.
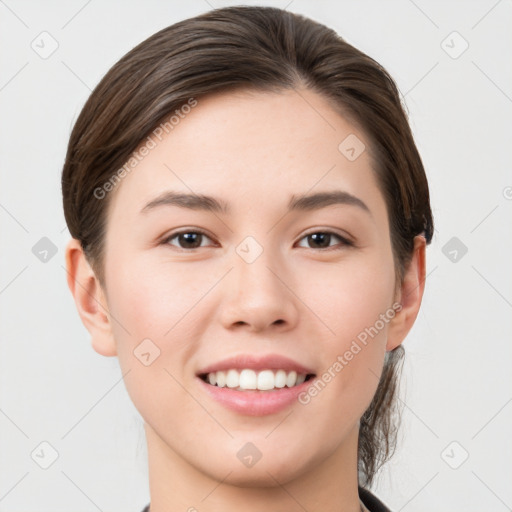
[252, 150]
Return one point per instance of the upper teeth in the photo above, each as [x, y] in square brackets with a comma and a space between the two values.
[249, 379]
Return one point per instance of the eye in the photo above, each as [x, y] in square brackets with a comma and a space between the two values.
[193, 239]
[187, 239]
[322, 239]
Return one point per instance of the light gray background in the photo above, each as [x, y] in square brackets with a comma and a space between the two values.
[457, 378]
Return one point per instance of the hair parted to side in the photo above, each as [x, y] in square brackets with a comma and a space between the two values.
[263, 49]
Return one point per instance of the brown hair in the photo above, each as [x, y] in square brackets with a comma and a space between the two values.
[264, 49]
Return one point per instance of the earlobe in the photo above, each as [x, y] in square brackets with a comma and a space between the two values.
[89, 299]
[410, 296]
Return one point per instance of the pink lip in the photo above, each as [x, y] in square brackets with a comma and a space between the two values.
[253, 362]
[254, 402]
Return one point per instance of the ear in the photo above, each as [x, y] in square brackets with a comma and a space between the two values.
[90, 299]
[409, 296]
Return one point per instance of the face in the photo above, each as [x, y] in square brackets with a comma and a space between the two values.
[273, 286]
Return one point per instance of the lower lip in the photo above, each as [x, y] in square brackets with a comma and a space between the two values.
[254, 402]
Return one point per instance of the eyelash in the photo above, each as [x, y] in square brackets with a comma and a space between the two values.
[344, 241]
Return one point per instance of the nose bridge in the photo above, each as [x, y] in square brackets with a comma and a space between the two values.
[257, 293]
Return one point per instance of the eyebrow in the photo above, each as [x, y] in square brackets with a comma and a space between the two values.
[296, 203]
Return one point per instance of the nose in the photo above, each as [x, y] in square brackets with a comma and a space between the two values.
[258, 295]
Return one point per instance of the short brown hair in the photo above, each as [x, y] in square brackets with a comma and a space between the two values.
[264, 49]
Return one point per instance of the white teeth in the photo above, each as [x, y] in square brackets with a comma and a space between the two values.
[232, 379]
[220, 377]
[291, 379]
[280, 379]
[264, 380]
[248, 379]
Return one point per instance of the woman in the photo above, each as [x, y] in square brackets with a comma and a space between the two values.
[249, 215]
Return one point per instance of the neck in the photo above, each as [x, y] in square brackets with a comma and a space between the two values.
[330, 484]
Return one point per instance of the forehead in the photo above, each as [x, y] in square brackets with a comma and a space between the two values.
[254, 149]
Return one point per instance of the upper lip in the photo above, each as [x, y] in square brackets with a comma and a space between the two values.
[254, 362]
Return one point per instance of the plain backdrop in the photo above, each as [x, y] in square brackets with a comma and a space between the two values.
[451, 61]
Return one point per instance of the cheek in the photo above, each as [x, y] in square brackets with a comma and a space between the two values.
[151, 300]
[350, 297]
[152, 334]
[151, 297]
[356, 303]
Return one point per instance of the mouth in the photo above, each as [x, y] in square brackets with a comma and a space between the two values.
[255, 385]
[247, 379]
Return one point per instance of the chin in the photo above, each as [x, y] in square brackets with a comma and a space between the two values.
[272, 470]
[261, 475]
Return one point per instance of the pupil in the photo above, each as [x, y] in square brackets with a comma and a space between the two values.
[188, 238]
[319, 237]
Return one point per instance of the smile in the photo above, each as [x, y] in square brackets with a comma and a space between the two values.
[248, 379]
[255, 384]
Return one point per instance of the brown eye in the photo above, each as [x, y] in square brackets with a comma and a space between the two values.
[323, 239]
[187, 239]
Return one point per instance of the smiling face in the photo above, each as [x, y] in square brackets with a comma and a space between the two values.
[291, 256]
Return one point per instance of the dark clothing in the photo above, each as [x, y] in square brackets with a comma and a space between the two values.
[370, 501]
